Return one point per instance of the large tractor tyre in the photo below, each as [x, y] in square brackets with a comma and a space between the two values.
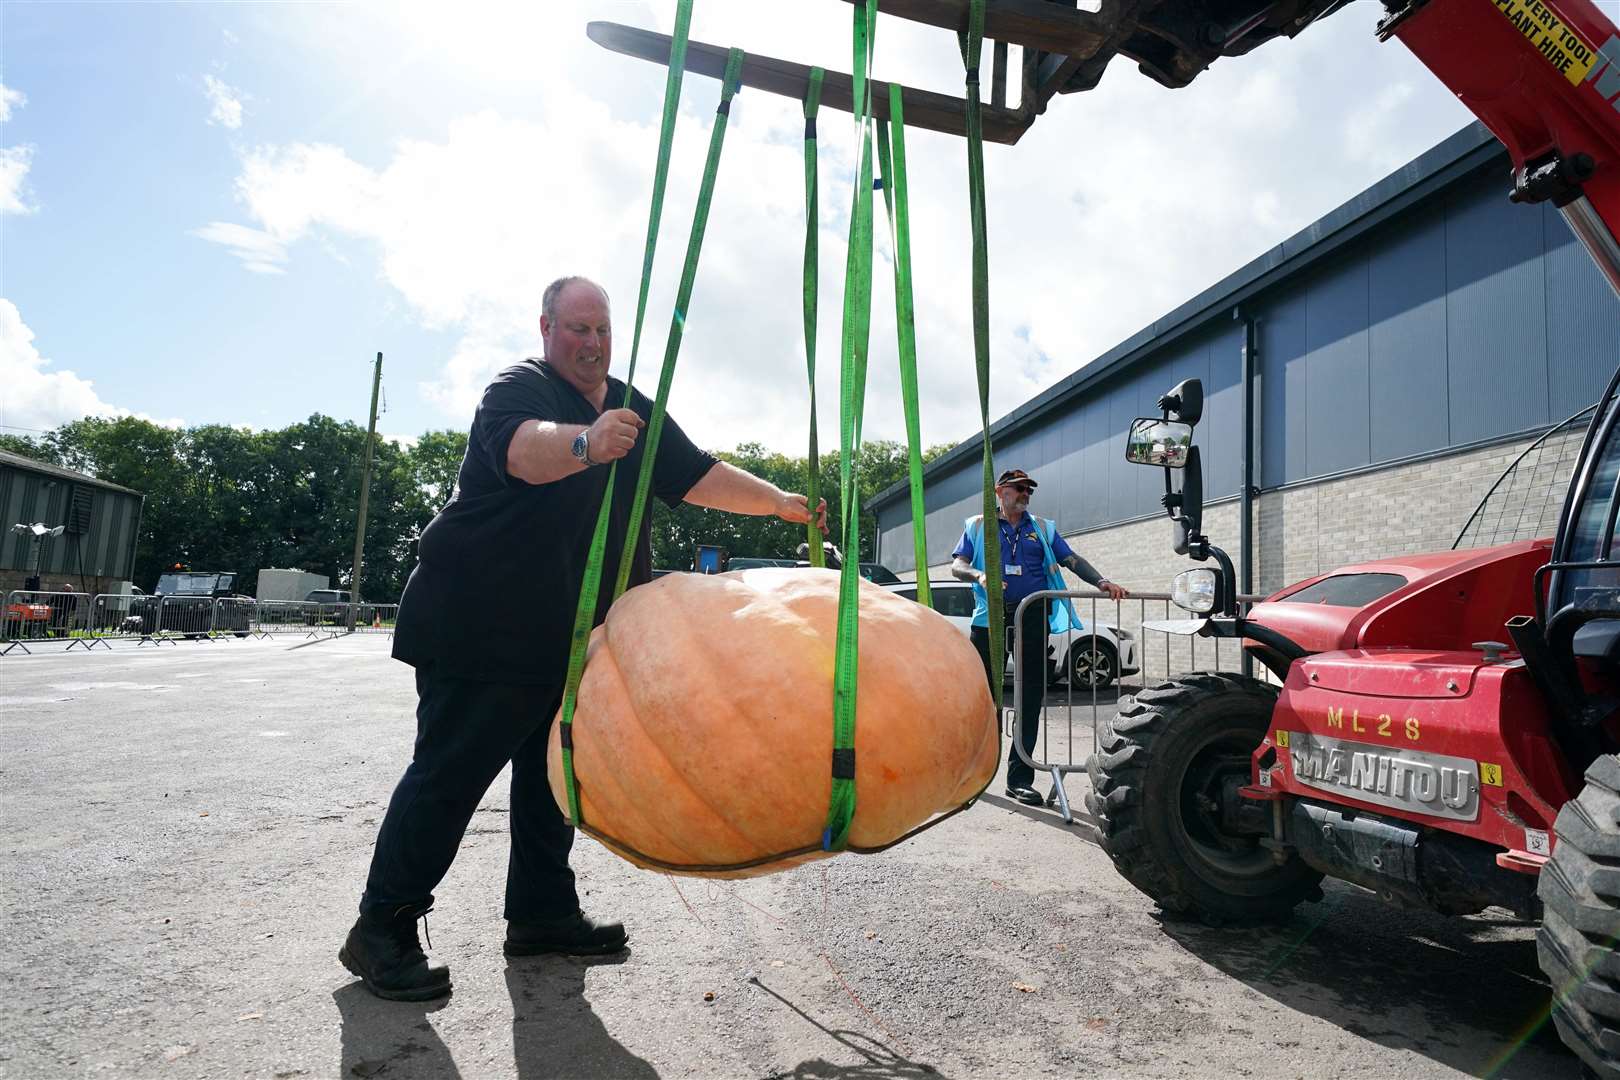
[1580, 896]
[1156, 782]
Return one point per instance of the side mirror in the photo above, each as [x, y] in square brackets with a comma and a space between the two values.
[1185, 402]
[1158, 442]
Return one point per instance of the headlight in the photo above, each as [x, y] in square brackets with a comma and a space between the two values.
[1195, 590]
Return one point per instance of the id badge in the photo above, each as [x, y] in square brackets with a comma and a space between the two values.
[1013, 571]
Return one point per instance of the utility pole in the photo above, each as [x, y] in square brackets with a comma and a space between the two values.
[365, 494]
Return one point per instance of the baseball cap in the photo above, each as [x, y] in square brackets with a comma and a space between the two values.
[1016, 476]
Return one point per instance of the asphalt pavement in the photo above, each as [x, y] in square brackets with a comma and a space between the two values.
[186, 829]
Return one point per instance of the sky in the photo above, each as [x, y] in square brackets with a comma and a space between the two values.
[221, 212]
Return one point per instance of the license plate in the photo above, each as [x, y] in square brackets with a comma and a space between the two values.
[1434, 784]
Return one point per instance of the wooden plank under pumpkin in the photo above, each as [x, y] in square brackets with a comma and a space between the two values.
[924, 109]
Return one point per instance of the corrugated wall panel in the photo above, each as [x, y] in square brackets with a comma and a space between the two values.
[10, 506]
[1122, 476]
[1070, 495]
[1221, 432]
[1336, 409]
[56, 551]
[1583, 320]
[1282, 397]
[1496, 313]
[104, 530]
[104, 527]
[1094, 466]
[1406, 287]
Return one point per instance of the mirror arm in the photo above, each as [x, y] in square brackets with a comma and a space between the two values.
[1228, 577]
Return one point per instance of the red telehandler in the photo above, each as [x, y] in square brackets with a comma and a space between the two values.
[1441, 729]
[1402, 746]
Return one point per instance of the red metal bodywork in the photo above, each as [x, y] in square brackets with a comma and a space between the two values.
[1402, 672]
[1543, 75]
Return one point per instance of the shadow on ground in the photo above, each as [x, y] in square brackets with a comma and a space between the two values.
[555, 1033]
[878, 1060]
[1455, 990]
[392, 1038]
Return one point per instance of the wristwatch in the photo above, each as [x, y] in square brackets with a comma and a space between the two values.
[582, 448]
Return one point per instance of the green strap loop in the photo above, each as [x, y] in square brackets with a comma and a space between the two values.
[972, 47]
[590, 588]
[897, 201]
[852, 391]
[666, 140]
[812, 274]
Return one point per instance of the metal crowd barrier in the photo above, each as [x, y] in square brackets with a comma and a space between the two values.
[31, 614]
[1091, 669]
[88, 621]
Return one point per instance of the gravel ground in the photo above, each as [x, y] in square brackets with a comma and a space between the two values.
[186, 830]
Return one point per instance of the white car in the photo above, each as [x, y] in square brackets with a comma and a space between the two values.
[1090, 658]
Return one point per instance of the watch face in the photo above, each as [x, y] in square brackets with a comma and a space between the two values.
[579, 446]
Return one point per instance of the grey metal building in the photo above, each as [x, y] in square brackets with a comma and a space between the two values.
[101, 521]
[1426, 328]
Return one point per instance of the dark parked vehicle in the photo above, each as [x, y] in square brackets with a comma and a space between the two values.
[334, 608]
[183, 603]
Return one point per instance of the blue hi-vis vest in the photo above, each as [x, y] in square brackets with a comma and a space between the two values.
[1063, 616]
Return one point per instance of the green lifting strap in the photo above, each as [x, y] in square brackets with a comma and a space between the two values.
[677, 324]
[590, 589]
[666, 140]
[972, 47]
[852, 392]
[812, 274]
[897, 202]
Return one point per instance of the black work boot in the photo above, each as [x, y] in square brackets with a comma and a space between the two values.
[384, 953]
[575, 934]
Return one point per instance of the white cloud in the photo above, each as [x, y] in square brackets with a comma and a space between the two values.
[14, 160]
[259, 251]
[1371, 128]
[35, 399]
[225, 103]
[14, 163]
[8, 98]
[1117, 206]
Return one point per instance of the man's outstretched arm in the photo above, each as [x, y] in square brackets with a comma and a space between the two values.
[1091, 576]
[726, 487]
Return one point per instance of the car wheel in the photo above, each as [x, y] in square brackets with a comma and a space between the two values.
[1093, 664]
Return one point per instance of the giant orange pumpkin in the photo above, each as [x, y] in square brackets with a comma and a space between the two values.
[704, 729]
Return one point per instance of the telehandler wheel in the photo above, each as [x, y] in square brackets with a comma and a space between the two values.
[1156, 784]
[1580, 896]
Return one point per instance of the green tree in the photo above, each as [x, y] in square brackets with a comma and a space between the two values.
[435, 462]
[678, 532]
[225, 498]
[28, 448]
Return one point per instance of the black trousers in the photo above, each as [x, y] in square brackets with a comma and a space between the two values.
[1035, 632]
[466, 732]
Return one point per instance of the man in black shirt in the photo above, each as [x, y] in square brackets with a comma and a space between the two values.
[491, 663]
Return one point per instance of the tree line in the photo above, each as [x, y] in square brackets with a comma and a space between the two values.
[230, 499]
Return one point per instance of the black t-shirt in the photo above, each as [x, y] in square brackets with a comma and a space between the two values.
[497, 583]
